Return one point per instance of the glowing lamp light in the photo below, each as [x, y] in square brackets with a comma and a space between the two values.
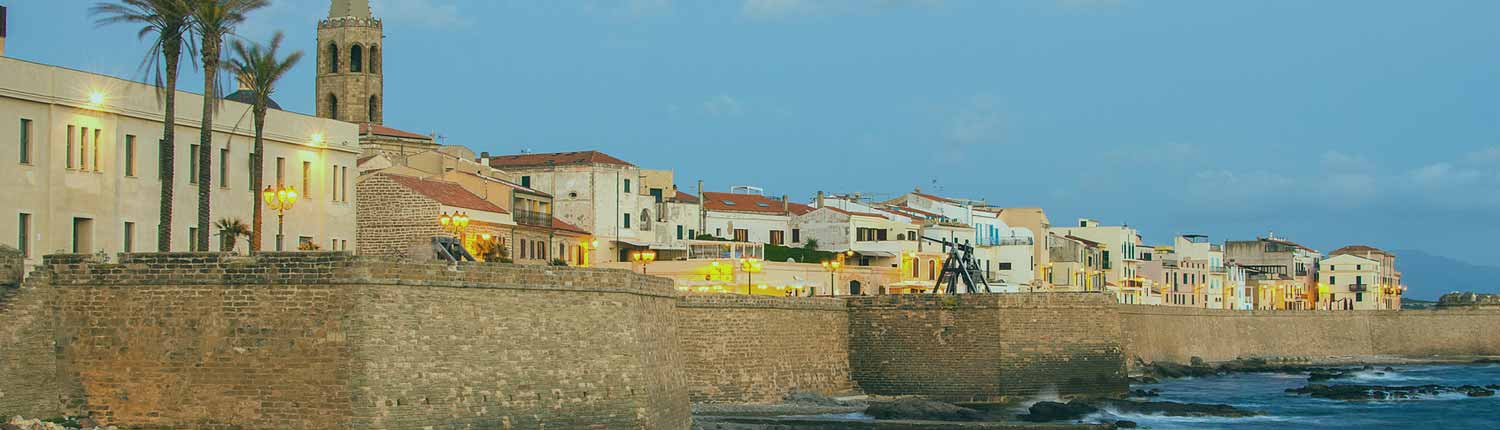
[96, 97]
[317, 139]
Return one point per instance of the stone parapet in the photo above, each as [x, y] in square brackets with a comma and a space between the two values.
[758, 349]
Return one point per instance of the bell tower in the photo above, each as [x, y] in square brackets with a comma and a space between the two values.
[350, 84]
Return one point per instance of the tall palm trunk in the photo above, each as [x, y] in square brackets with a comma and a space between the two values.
[173, 53]
[206, 139]
[257, 166]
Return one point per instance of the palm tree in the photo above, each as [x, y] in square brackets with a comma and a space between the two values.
[258, 68]
[230, 229]
[212, 21]
[165, 24]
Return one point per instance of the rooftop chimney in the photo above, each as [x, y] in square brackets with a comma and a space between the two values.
[2, 31]
[785, 205]
[820, 199]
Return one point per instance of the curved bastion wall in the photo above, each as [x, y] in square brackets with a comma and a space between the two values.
[758, 349]
[327, 340]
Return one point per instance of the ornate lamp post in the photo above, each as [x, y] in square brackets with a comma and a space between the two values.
[832, 266]
[280, 199]
[455, 223]
[750, 266]
[643, 258]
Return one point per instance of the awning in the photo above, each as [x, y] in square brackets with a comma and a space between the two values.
[634, 243]
[679, 246]
[876, 253]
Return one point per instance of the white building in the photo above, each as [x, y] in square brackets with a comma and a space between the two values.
[83, 170]
[1119, 243]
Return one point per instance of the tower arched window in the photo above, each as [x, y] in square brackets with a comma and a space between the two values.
[333, 106]
[356, 59]
[374, 59]
[374, 109]
[333, 58]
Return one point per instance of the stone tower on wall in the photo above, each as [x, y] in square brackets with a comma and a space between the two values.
[350, 82]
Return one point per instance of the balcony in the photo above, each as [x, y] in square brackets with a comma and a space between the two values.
[526, 217]
[1359, 288]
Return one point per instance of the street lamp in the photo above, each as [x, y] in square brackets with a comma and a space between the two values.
[455, 223]
[832, 266]
[750, 266]
[643, 258]
[280, 199]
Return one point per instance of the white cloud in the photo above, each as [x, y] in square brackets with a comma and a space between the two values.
[723, 106]
[1444, 175]
[426, 13]
[1487, 155]
[1341, 162]
[978, 121]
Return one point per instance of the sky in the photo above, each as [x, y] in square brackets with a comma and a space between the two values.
[1329, 122]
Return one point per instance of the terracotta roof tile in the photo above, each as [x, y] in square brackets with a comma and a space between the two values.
[685, 197]
[556, 159]
[563, 225]
[446, 193]
[852, 213]
[932, 197]
[380, 130]
[730, 202]
[1363, 249]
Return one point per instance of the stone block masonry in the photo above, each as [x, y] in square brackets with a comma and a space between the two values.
[28, 366]
[986, 348]
[327, 340]
[758, 349]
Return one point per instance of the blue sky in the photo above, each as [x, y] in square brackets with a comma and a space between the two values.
[1331, 122]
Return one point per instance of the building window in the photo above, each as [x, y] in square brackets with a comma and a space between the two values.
[333, 58]
[692, 234]
[356, 59]
[280, 171]
[932, 270]
[305, 243]
[1333, 280]
[193, 239]
[778, 237]
[25, 141]
[627, 220]
[627, 185]
[128, 245]
[1359, 297]
[83, 149]
[526, 181]
[333, 182]
[796, 235]
[69, 150]
[224, 168]
[130, 155]
[83, 235]
[1004, 266]
[333, 106]
[306, 179]
[193, 164]
[679, 232]
[344, 183]
[741, 235]
[374, 109]
[23, 239]
[95, 152]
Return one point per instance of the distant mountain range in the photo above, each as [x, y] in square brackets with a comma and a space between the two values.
[1430, 276]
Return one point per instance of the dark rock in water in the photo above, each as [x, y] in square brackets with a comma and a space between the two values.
[1368, 367]
[1175, 409]
[1324, 375]
[1174, 370]
[1493, 386]
[1196, 361]
[1487, 361]
[1381, 392]
[1145, 393]
[1143, 380]
[1389, 369]
[1054, 411]
[1122, 424]
[921, 409]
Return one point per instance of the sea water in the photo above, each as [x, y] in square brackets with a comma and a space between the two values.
[1266, 393]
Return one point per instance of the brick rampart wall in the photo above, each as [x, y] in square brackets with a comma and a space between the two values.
[758, 349]
[986, 348]
[327, 340]
[29, 382]
[1154, 333]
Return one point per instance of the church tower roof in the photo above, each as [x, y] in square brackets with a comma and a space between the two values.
[349, 8]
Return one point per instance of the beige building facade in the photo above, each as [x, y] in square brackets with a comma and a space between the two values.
[84, 169]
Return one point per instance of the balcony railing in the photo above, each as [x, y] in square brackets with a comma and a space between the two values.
[1358, 288]
[526, 217]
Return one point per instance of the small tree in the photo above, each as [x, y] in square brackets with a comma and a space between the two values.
[811, 245]
[308, 246]
[230, 229]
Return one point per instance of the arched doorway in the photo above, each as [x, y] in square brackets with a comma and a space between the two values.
[854, 288]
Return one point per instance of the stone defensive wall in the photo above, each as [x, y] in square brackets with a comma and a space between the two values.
[987, 347]
[758, 349]
[1160, 333]
[327, 340]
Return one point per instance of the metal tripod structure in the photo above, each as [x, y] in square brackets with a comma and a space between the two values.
[959, 268]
